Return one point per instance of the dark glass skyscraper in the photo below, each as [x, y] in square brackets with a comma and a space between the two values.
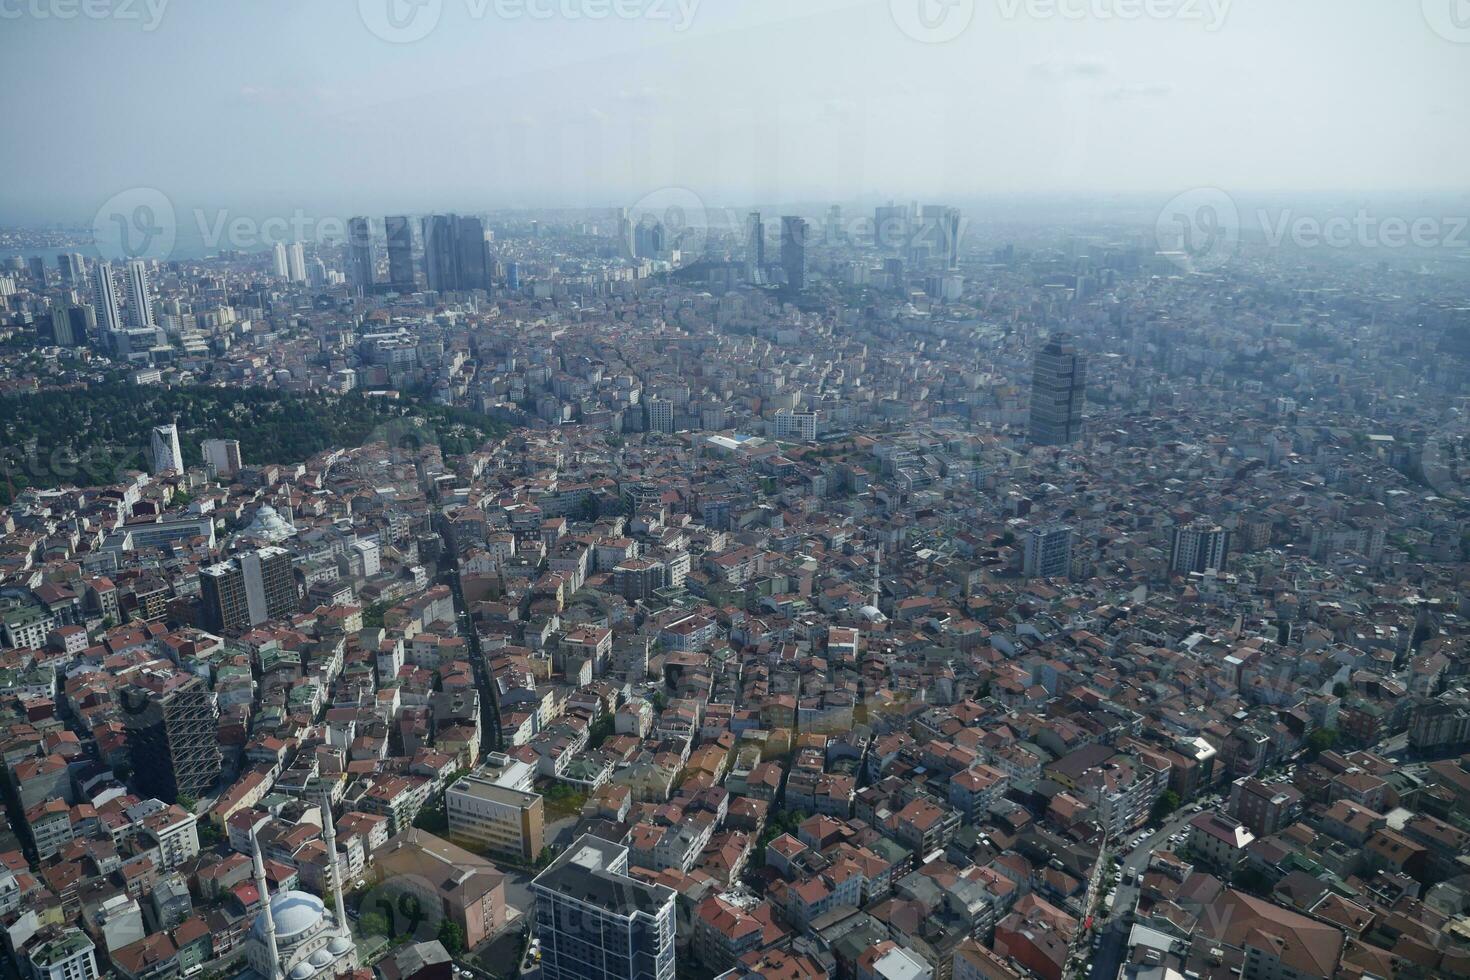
[1058, 390]
[793, 251]
[399, 231]
[362, 256]
[456, 257]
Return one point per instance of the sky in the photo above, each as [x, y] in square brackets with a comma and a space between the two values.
[381, 106]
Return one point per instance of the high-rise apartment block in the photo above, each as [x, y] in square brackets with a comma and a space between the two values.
[1199, 546]
[595, 922]
[1047, 552]
[247, 590]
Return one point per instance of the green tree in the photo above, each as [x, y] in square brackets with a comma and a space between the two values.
[1321, 740]
[187, 802]
[1340, 690]
[1164, 805]
[451, 934]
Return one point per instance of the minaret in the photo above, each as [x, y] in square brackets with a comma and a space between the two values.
[329, 837]
[265, 902]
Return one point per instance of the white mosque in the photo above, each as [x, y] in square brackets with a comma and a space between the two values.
[267, 527]
[294, 937]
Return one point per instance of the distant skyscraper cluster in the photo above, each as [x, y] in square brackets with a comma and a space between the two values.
[1058, 390]
[456, 254]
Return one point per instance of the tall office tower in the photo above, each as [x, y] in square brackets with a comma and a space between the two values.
[456, 255]
[296, 262]
[1058, 390]
[165, 446]
[362, 256]
[399, 232]
[58, 327]
[891, 227]
[472, 250]
[660, 415]
[140, 296]
[83, 324]
[793, 251]
[625, 246]
[1199, 546]
[755, 248]
[941, 229]
[104, 292]
[73, 270]
[172, 734]
[648, 238]
[1048, 552]
[832, 233]
[595, 922]
[221, 456]
[279, 264]
[37, 266]
[249, 589]
[512, 275]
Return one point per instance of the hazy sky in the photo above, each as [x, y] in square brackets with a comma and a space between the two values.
[270, 105]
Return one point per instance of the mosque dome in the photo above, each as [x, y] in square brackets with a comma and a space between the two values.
[302, 970]
[268, 525]
[320, 958]
[296, 915]
[339, 945]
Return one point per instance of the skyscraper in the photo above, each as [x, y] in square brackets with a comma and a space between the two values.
[456, 255]
[247, 590]
[793, 251]
[279, 263]
[1047, 552]
[362, 256]
[648, 238]
[172, 733]
[941, 230]
[58, 324]
[399, 232]
[140, 296]
[626, 247]
[595, 922]
[73, 271]
[221, 456]
[165, 447]
[296, 262]
[1058, 390]
[891, 227]
[755, 248]
[104, 288]
[1199, 546]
